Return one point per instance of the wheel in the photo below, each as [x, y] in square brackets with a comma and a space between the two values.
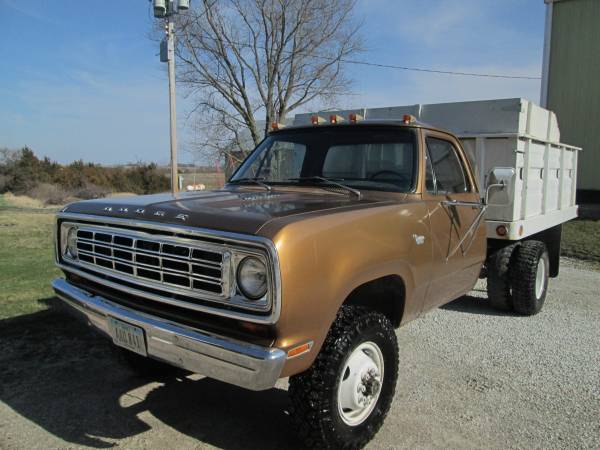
[529, 277]
[343, 399]
[143, 366]
[498, 278]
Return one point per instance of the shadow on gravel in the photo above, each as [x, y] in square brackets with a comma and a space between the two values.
[62, 376]
[474, 305]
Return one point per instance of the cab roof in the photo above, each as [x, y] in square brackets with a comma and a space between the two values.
[360, 123]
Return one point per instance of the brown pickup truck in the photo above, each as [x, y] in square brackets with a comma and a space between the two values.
[325, 240]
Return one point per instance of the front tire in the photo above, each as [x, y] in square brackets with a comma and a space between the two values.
[343, 399]
[529, 277]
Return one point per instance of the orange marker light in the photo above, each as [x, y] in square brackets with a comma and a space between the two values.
[407, 118]
[353, 117]
[333, 118]
[314, 120]
[274, 126]
[299, 350]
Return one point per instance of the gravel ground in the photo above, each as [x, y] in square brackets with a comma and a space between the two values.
[469, 378]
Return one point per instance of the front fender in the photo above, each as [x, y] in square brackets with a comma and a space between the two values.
[324, 258]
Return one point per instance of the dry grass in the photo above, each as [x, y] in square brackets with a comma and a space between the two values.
[121, 194]
[23, 201]
[211, 180]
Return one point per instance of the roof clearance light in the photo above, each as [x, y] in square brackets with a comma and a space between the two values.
[277, 126]
[407, 118]
[353, 117]
[316, 120]
[334, 118]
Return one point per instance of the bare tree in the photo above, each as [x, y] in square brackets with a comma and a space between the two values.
[249, 63]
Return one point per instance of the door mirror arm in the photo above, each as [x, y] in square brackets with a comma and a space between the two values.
[501, 186]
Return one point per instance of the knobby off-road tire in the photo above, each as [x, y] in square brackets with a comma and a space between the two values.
[529, 277]
[316, 411]
[498, 278]
[145, 367]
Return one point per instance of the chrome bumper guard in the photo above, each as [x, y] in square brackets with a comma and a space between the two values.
[247, 365]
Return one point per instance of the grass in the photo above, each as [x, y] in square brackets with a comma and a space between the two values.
[27, 261]
[26, 257]
[581, 240]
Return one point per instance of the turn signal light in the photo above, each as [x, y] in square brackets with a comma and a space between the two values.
[299, 350]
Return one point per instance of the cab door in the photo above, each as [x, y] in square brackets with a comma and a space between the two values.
[455, 215]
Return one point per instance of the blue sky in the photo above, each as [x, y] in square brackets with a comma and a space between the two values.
[81, 79]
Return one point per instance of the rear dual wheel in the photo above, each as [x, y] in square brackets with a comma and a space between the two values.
[529, 278]
[518, 277]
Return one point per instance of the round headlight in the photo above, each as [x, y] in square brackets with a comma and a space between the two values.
[252, 278]
[71, 248]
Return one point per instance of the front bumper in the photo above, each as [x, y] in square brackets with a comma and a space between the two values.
[235, 362]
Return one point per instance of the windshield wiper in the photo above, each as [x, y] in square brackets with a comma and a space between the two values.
[257, 181]
[329, 181]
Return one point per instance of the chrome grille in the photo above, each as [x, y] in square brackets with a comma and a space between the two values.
[159, 261]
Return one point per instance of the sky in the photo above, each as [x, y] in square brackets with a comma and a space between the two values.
[82, 79]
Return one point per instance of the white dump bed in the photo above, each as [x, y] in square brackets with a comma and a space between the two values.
[504, 133]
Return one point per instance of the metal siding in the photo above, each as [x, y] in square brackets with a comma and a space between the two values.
[574, 82]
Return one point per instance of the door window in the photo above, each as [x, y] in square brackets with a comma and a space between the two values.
[444, 171]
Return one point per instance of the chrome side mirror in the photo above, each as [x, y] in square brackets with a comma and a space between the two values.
[499, 186]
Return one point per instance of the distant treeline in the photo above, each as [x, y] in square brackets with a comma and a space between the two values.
[23, 173]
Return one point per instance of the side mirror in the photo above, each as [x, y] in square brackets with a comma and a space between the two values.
[499, 186]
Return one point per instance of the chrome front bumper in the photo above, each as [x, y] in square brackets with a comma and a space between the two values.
[235, 362]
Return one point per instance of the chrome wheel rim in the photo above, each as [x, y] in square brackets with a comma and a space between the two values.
[540, 278]
[360, 383]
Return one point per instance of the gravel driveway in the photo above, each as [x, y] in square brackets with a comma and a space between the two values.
[469, 378]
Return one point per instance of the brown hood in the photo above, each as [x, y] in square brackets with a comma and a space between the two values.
[237, 210]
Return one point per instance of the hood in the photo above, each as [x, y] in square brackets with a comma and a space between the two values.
[233, 210]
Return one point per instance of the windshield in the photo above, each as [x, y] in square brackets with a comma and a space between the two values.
[366, 158]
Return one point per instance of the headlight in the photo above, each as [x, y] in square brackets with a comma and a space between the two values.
[69, 241]
[252, 278]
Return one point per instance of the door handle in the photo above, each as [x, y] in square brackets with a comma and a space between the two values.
[477, 205]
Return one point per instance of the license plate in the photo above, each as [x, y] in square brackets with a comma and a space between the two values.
[127, 336]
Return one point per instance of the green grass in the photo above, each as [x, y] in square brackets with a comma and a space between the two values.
[581, 240]
[26, 258]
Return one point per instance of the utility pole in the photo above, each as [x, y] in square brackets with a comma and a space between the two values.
[172, 105]
[166, 9]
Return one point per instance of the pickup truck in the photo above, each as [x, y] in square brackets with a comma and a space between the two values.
[327, 238]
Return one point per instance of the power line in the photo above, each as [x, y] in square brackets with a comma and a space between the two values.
[445, 72]
[391, 66]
